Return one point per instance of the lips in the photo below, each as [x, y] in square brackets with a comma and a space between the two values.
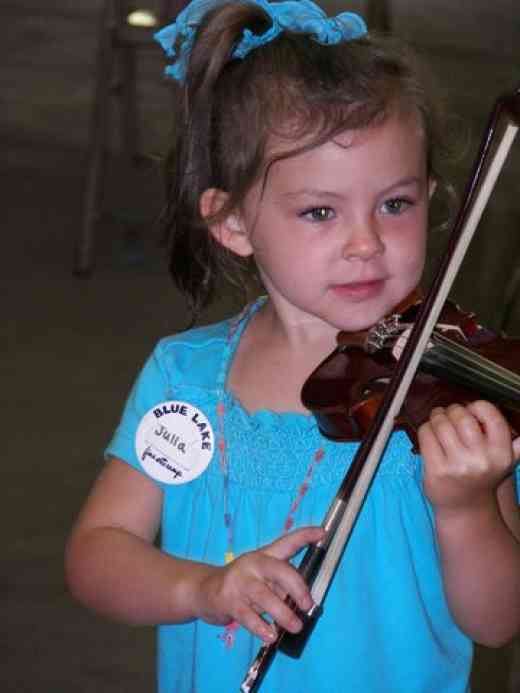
[360, 290]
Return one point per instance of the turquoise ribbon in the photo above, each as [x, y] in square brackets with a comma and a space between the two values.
[298, 16]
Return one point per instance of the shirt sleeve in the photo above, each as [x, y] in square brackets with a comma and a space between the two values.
[150, 388]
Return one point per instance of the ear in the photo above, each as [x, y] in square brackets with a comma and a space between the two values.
[432, 187]
[230, 231]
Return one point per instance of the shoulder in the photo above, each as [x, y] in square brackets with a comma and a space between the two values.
[186, 344]
[193, 355]
[179, 367]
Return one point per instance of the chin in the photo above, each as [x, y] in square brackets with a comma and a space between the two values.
[356, 325]
[363, 319]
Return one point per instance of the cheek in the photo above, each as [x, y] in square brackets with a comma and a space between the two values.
[413, 240]
[414, 262]
[420, 247]
[414, 248]
[277, 261]
[409, 254]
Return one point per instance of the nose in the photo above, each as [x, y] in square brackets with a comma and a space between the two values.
[363, 241]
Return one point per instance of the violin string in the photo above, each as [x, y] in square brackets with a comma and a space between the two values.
[471, 358]
[471, 374]
[445, 352]
[473, 369]
[472, 378]
[470, 367]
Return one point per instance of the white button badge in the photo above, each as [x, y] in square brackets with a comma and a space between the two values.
[174, 442]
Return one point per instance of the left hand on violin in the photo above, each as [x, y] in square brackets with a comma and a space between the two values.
[467, 453]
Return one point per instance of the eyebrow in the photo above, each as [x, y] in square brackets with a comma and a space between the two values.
[403, 183]
[318, 192]
[312, 192]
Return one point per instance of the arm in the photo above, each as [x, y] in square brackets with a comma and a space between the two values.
[113, 567]
[468, 478]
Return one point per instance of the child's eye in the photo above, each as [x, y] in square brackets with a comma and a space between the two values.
[318, 214]
[396, 205]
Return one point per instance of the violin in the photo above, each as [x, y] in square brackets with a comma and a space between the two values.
[462, 362]
[430, 337]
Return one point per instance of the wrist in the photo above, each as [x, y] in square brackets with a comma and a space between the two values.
[200, 593]
[187, 589]
[482, 511]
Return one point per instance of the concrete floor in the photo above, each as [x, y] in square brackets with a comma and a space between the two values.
[73, 346]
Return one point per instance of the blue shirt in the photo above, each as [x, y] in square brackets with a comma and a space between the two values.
[386, 626]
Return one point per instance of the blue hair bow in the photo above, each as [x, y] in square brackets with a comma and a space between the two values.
[299, 16]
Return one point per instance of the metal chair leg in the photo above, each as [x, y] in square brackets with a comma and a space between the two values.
[98, 137]
[131, 136]
[378, 15]
[514, 674]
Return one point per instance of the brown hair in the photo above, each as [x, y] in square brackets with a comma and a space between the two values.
[293, 87]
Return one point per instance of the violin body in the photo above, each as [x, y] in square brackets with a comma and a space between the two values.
[344, 392]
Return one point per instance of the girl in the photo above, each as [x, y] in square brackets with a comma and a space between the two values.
[307, 148]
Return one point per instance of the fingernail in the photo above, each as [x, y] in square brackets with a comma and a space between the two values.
[268, 635]
[296, 625]
[306, 604]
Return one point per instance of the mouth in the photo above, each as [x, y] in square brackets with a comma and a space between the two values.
[359, 290]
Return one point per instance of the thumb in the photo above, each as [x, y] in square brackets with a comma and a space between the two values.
[289, 544]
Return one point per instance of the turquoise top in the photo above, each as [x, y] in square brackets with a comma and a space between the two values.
[385, 628]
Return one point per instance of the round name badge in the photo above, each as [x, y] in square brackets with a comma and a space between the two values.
[174, 442]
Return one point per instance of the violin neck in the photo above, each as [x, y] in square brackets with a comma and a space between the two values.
[452, 361]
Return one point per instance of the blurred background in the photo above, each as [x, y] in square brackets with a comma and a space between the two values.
[86, 294]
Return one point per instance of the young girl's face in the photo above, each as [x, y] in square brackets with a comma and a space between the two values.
[339, 232]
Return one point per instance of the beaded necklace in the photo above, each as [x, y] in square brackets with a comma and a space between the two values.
[228, 636]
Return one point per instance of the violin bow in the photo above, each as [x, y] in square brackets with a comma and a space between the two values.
[321, 559]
